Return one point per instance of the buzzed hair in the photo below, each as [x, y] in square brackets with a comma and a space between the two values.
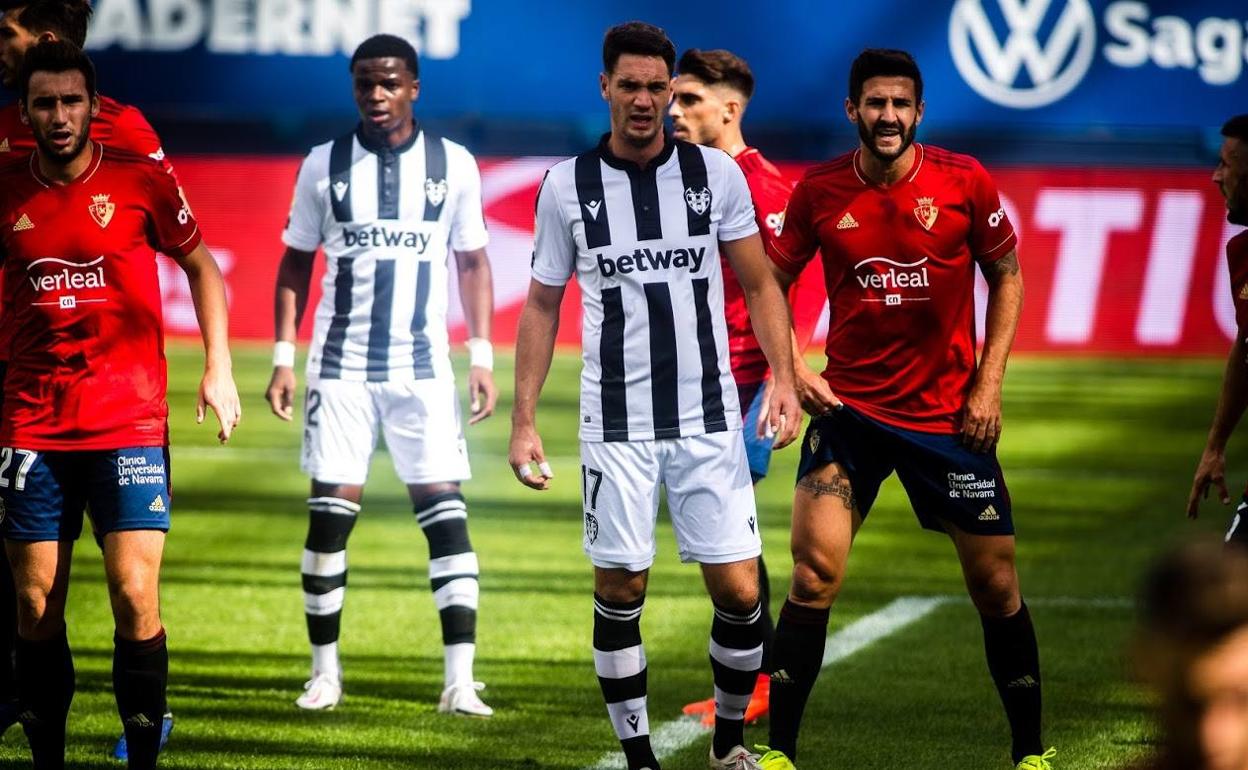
[1197, 595]
[385, 47]
[718, 67]
[1236, 128]
[67, 19]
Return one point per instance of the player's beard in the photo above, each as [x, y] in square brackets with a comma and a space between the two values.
[868, 135]
[58, 158]
[1237, 204]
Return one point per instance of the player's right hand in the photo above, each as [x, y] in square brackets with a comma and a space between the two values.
[1210, 472]
[525, 452]
[218, 392]
[813, 391]
[281, 392]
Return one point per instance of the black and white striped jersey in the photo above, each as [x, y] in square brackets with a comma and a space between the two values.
[644, 245]
[387, 219]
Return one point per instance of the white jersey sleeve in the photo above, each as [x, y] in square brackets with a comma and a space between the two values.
[736, 207]
[554, 249]
[468, 231]
[307, 207]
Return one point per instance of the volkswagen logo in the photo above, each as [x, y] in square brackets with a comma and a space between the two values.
[1053, 66]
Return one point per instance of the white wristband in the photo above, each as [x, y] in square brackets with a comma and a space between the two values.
[481, 353]
[284, 353]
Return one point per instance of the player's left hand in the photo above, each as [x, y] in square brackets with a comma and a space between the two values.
[218, 392]
[482, 394]
[781, 413]
[981, 420]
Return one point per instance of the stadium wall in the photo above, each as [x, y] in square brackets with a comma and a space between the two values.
[1116, 261]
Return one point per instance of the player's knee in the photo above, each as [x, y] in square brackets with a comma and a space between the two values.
[39, 613]
[135, 604]
[623, 587]
[995, 591]
[815, 581]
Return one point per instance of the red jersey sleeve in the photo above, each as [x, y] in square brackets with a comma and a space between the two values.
[172, 228]
[795, 239]
[992, 232]
[771, 196]
[133, 133]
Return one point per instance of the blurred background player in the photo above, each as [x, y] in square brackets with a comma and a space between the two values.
[900, 227]
[80, 224]
[656, 401]
[709, 97]
[22, 25]
[389, 202]
[1231, 177]
[1191, 650]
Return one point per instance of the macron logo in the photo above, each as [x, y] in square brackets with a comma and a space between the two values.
[592, 207]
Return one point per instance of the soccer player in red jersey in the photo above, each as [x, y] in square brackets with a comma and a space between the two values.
[1231, 176]
[709, 97]
[901, 227]
[23, 24]
[84, 416]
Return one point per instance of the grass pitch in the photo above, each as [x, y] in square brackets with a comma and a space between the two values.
[1098, 456]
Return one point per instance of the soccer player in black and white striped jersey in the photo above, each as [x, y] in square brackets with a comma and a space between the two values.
[389, 202]
[641, 220]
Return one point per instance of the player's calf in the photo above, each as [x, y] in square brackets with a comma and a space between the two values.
[620, 662]
[324, 574]
[140, 682]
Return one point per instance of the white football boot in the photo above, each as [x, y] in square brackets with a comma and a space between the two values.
[322, 693]
[462, 699]
[739, 758]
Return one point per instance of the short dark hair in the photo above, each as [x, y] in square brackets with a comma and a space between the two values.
[883, 62]
[386, 46]
[718, 66]
[1236, 128]
[56, 56]
[1197, 595]
[67, 19]
[640, 39]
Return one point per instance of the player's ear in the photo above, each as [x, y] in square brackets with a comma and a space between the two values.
[46, 37]
[415, 89]
[918, 114]
[22, 114]
[732, 110]
[95, 105]
[851, 110]
[603, 80]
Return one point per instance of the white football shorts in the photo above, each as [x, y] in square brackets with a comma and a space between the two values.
[419, 419]
[709, 494]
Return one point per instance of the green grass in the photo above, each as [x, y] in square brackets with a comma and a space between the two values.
[1098, 455]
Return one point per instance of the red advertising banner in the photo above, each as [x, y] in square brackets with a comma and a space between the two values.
[1127, 261]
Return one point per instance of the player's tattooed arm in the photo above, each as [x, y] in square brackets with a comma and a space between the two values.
[1007, 265]
[839, 486]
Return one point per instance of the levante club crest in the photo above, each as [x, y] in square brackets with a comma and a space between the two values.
[102, 209]
[926, 212]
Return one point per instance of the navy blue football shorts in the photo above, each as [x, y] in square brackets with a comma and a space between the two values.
[946, 481]
[757, 449]
[46, 493]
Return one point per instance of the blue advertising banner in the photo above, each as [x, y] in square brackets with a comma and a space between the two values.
[1152, 63]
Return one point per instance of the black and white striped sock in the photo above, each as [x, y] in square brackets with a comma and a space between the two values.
[620, 662]
[453, 578]
[736, 656]
[324, 568]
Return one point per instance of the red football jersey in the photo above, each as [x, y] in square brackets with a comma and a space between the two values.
[1237, 261]
[86, 359]
[770, 192]
[899, 265]
[118, 125]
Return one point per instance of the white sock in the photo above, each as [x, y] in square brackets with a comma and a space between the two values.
[325, 660]
[458, 659]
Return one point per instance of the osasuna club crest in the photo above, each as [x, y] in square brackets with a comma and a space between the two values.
[699, 200]
[435, 191]
[101, 209]
[926, 212]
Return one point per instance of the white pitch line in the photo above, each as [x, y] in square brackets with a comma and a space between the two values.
[682, 732]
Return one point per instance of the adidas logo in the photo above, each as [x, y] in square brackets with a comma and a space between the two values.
[1025, 681]
[158, 505]
[140, 720]
[4, 144]
[23, 224]
[847, 222]
[781, 677]
[989, 514]
[592, 207]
